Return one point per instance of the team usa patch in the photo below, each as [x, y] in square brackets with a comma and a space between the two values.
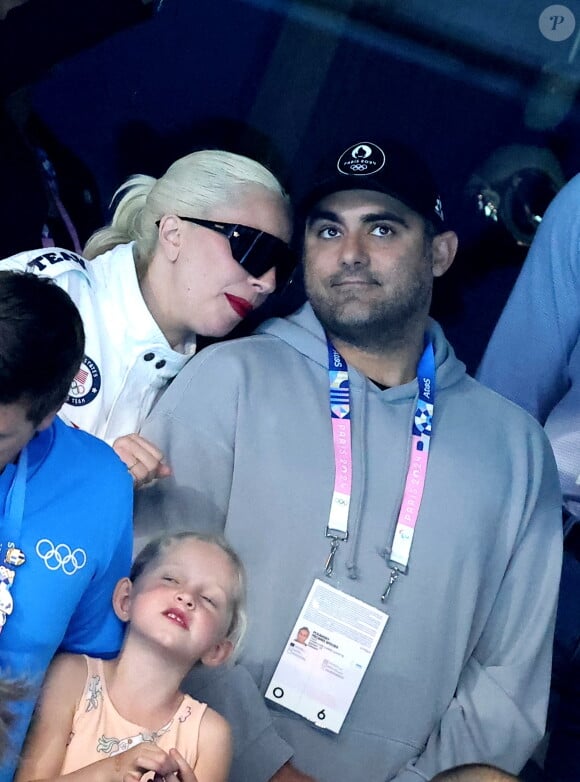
[361, 159]
[86, 384]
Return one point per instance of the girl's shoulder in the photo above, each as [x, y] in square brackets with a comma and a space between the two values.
[211, 724]
[68, 664]
[214, 747]
[66, 677]
[214, 727]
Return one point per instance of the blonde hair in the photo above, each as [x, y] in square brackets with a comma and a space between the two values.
[190, 186]
[157, 547]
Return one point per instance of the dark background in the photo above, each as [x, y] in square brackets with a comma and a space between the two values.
[118, 87]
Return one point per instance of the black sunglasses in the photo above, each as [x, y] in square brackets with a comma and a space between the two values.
[257, 251]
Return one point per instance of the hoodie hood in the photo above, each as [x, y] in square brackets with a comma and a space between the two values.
[304, 332]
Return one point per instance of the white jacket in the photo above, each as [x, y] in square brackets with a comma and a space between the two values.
[128, 361]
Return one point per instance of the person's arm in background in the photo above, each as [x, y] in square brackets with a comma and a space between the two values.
[194, 424]
[527, 358]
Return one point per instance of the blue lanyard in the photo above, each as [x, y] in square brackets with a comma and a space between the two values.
[14, 509]
[339, 393]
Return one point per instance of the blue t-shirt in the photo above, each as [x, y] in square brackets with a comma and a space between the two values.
[76, 534]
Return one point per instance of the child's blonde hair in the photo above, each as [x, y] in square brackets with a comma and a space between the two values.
[157, 547]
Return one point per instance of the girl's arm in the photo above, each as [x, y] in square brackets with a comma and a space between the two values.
[214, 756]
[48, 735]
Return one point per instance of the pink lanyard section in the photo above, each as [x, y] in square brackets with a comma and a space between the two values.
[337, 527]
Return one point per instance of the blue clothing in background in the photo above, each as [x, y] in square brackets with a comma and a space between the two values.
[76, 534]
[533, 358]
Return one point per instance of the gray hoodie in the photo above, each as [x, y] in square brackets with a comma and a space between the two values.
[461, 673]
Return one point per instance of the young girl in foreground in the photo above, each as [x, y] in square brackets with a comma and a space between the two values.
[184, 603]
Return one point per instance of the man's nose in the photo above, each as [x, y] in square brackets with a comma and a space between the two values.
[354, 251]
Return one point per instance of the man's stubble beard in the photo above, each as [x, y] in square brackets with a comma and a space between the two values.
[377, 326]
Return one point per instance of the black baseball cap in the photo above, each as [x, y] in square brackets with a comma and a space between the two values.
[392, 168]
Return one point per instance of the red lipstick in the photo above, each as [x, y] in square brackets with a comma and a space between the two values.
[240, 306]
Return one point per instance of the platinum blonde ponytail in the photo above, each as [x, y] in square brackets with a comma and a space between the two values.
[126, 223]
[191, 186]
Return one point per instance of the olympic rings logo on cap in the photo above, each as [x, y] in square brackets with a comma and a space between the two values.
[61, 556]
[361, 159]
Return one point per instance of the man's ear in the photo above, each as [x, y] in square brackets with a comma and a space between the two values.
[218, 654]
[122, 598]
[444, 247]
[170, 236]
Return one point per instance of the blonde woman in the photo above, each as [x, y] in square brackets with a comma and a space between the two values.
[189, 254]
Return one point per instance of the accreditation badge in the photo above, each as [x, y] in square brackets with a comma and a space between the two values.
[326, 656]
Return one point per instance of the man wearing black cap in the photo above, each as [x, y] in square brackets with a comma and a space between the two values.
[377, 494]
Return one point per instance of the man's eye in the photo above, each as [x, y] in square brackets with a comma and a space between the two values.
[330, 232]
[382, 230]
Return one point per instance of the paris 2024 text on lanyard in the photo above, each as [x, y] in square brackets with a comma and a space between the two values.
[335, 635]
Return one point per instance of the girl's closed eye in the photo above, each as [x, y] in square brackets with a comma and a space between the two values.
[170, 579]
[209, 600]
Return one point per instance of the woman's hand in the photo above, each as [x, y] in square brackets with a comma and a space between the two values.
[143, 459]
